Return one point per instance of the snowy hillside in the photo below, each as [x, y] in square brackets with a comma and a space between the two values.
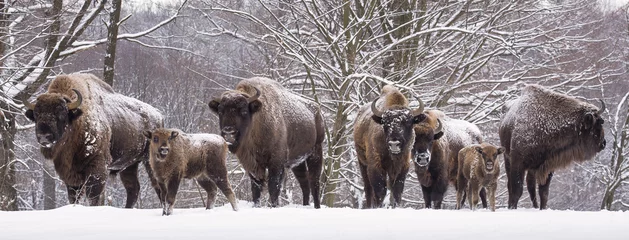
[301, 223]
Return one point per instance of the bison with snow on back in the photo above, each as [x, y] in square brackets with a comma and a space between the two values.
[438, 140]
[89, 132]
[384, 137]
[269, 128]
[175, 155]
[543, 131]
[478, 169]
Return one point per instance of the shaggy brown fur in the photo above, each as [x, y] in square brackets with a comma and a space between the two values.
[543, 131]
[102, 135]
[269, 128]
[377, 158]
[175, 155]
[436, 153]
[478, 168]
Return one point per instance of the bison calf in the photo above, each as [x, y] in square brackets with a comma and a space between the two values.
[174, 156]
[478, 168]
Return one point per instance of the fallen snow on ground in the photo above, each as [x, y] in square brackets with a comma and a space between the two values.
[301, 223]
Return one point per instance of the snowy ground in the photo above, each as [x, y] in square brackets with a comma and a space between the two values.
[301, 223]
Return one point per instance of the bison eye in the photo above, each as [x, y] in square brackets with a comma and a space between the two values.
[155, 139]
[244, 112]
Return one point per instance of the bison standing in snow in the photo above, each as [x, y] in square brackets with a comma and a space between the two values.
[269, 128]
[89, 131]
[174, 156]
[543, 131]
[478, 169]
[438, 140]
[383, 137]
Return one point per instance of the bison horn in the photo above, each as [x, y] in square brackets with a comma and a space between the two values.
[255, 97]
[420, 109]
[77, 103]
[600, 111]
[375, 110]
[29, 105]
[440, 128]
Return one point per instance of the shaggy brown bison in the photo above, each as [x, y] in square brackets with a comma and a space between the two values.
[383, 137]
[438, 140]
[543, 131]
[270, 128]
[89, 131]
[478, 169]
[175, 155]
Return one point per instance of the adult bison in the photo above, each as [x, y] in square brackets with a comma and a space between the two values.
[543, 131]
[89, 132]
[384, 137]
[438, 140]
[269, 128]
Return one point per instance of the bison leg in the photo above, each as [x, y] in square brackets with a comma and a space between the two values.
[301, 174]
[426, 191]
[530, 186]
[367, 186]
[210, 187]
[256, 190]
[397, 188]
[315, 166]
[379, 185]
[154, 183]
[223, 184]
[129, 178]
[492, 196]
[171, 194]
[483, 197]
[461, 186]
[94, 187]
[515, 182]
[276, 175]
[74, 194]
[543, 192]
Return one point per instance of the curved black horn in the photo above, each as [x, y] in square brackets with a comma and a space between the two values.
[374, 109]
[440, 128]
[600, 111]
[420, 109]
[255, 97]
[77, 103]
[29, 105]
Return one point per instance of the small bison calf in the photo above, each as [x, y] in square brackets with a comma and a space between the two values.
[175, 155]
[478, 168]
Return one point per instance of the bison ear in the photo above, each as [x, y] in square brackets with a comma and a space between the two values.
[376, 119]
[214, 105]
[501, 150]
[254, 106]
[148, 134]
[74, 114]
[30, 115]
[438, 135]
[174, 134]
[588, 121]
[419, 118]
[479, 149]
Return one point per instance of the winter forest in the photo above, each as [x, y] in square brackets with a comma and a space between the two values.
[465, 58]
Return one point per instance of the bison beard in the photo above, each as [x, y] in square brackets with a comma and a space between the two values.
[259, 121]
[93, 136]
[543, 131]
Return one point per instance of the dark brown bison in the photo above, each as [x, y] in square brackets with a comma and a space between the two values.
[543, 131]
[478, 168]
[175, 155]
[270, 128]
[89, 131]
[438, 140]
[383, 137]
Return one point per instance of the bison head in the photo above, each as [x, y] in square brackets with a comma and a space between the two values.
[489, 156]
[398, 124]
[235, 111]
[160, 141]
[592, 128]
[425, 135]
[52, 113]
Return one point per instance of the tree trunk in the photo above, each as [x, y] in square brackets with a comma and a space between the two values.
[8, 193]
[608, 198]
[50, 185]
[112, 36]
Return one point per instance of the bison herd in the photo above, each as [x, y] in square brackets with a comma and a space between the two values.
[89, 132]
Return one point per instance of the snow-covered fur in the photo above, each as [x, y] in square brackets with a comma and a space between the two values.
[102, 135]
[383, 145]
[437, 143]
[175, 155]
[478, 169]
[269, 128]
[543, 131]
